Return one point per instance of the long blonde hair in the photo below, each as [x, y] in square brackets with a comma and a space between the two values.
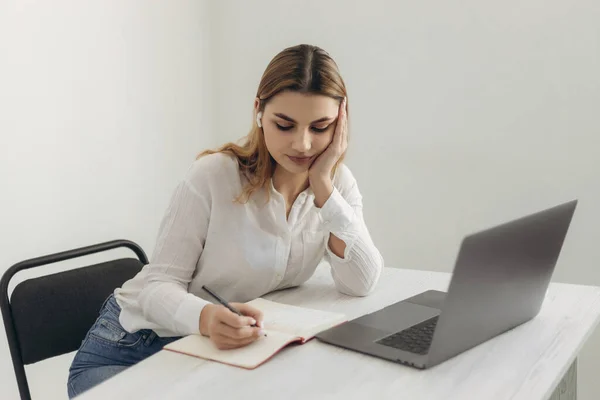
[303, 68]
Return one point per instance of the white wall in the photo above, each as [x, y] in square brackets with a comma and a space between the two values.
[101, 112]
[470, 113]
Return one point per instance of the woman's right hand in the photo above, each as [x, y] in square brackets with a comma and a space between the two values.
[228, 330]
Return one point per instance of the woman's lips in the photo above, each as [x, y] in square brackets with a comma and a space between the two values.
[300, 160]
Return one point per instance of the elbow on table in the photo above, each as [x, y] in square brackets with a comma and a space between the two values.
[370, 284]
[358, 279]
[361, 289]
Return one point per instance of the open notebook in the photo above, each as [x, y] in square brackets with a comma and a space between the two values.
[284, 324]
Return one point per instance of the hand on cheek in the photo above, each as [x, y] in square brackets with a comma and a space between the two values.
[319, 174]
[323, 165]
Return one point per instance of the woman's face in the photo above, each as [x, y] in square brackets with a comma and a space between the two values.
[298, 127]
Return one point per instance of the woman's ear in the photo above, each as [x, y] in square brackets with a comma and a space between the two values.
[257, 112]
[256, 105]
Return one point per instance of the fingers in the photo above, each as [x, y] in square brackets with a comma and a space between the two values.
[234, 320]
[237, 333]
[341, 131]
[251, 312]
[344, 123]
[345, 139]
[339, 128]
[228, 330]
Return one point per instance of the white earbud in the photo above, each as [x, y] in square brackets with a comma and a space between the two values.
[258, 119]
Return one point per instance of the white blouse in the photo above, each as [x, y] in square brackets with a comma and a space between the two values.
[243, 251]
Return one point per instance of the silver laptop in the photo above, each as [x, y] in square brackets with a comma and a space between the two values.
[499, 282]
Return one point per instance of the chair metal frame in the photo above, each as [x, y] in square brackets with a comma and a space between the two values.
[5, 306]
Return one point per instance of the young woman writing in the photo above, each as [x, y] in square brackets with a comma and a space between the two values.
[246, 220]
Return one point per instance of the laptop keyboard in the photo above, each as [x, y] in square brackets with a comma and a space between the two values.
[415, 339]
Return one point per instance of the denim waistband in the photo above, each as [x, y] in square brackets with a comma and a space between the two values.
[111, 305]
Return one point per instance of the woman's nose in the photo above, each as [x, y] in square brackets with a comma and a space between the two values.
[301, 142]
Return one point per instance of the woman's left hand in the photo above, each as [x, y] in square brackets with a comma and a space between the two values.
[321, 168]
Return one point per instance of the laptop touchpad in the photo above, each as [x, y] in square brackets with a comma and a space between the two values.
[397, 316]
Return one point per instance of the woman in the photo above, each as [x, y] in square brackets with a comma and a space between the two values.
[245, 220]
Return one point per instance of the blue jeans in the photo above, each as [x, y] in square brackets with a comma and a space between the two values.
[108, 349]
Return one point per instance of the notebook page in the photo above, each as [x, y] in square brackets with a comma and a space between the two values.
[249, 356]
[297, 321]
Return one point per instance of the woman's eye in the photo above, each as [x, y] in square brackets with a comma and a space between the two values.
[315, 129]
[284, 128]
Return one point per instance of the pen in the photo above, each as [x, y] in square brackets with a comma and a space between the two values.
[225, 303]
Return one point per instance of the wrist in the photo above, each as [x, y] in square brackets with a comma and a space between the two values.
[205, 319]
[318, 177]
[322, 189]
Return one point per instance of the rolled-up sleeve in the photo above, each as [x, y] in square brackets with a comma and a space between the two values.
[358, 272]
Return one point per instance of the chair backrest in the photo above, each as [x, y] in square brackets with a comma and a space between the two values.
[53, 313]
[50, 315]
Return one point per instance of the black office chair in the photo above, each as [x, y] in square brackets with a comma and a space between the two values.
[50, 315]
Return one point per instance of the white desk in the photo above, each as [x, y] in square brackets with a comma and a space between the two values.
[525, 363]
